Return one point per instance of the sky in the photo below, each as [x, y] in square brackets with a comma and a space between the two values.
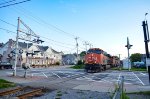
[105, 24]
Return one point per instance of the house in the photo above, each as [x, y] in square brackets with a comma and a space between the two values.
[69, 59]
[6, 52]
[29, 53]
[126, 64]
[44, 55]
[1, 46]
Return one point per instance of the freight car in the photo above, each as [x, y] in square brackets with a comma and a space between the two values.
[97, 60]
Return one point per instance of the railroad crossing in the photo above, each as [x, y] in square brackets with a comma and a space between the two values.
[109, 76]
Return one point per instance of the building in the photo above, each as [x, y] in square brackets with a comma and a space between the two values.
[30, 53]
[69, 59]
[126, 65]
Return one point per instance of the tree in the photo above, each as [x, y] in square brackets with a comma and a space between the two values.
[135, 57]
[83, 53]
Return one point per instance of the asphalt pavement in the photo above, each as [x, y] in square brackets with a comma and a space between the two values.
[64, 77]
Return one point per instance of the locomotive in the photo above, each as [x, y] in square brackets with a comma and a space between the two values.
[97, 60]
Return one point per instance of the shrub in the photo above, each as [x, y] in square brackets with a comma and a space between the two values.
[57, 63]
[79, 62]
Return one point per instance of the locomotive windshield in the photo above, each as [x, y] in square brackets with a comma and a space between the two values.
[97, 51]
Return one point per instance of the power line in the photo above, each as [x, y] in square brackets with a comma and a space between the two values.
[39, 35]
[7, 30]
[60, 45]
[71, 49]
[15, 3]
[7, 2]
[33, 18]
[37, 19]
[56, 41]
[8, 23]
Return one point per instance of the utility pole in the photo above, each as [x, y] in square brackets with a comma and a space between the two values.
[26, 36]
[119, 61]
[85, 43]
[16, 48]
[128, 47]
[77, 47]
[146, 40]
[90, 45]
[27, 53]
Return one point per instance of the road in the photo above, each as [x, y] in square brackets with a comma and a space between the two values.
[64, 77]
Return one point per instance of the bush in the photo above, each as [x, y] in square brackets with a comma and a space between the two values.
[79, 62]
[57, 63]
[78, 66]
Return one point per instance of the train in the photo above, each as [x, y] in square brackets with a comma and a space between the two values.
[97, 60]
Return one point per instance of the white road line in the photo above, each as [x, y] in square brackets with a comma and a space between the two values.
[127, 83]
[119, 76]
[9, 72]
[138, 78]
[56, 75]
[44, 75]
[142, 74]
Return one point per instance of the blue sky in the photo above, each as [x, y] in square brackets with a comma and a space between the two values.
[104, 23]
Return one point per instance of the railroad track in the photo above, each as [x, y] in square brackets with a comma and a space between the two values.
[21, 92]
[8, 92]
[31, 93]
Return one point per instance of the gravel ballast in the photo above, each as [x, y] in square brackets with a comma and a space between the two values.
[75, 94]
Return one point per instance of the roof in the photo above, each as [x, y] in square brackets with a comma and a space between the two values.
[24, 45]
[43, 48]
[95, 48]
[68, 55]
[1, 44]
[55, 51]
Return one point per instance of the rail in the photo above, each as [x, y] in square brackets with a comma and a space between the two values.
[7, 92]
[31, 93]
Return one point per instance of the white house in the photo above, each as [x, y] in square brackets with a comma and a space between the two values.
[35, 54]
[125, 63]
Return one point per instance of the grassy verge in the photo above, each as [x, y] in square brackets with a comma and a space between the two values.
[138, 69]
[132, 69]
[140, 93]
[6, 84]
[124, 95]
[78, 67]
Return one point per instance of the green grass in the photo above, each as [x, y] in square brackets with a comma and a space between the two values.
[138, 69]
[124, 96]
[6, 84]
[78, 67]
[132, 69]
[141, 93]
[115, 68]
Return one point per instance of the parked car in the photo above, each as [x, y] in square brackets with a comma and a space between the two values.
[5, 65]
[139, 64]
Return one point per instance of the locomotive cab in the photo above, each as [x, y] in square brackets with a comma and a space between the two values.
[95, 60]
